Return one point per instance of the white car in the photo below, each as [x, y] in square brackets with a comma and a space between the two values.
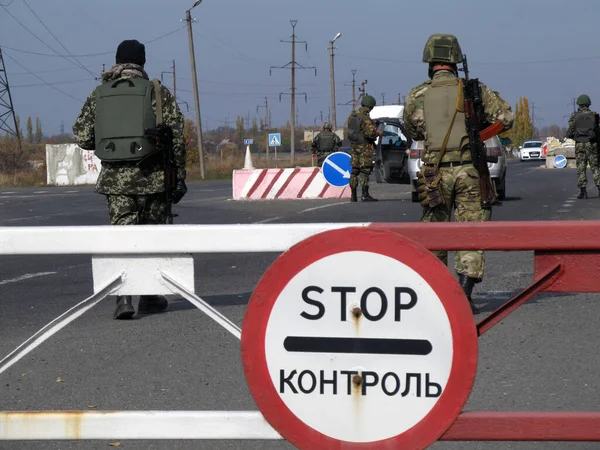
[531, 150]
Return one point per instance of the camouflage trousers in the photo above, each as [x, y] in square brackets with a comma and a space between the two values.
[137, 209]
[321, 156]
[460, 189]
[586, 153]
[361, 160]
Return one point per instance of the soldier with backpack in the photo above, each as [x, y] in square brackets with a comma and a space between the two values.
[583, 129]
[131, 122]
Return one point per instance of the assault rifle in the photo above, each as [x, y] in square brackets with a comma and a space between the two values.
[164, 140]
[474, 121]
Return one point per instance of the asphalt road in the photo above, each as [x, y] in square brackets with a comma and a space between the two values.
[543, 357]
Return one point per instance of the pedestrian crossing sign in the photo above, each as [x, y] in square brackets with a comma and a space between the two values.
[274, 139]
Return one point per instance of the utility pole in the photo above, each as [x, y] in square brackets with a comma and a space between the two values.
[7, 110]
[174, 80]
[62, 127]
[322, 118]
[188, 19]
[362, 91]
[383, 97]
[353, 90]
[293, 65]
[266, 106]
[332, 80]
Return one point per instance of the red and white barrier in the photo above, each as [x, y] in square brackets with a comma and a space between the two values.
[287, 184]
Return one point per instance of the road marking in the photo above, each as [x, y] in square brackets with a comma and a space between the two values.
[71, 192]
[27, 276]
[40, 192]
[271, 219]
[320, 207]
[570, 201]
[563, 211]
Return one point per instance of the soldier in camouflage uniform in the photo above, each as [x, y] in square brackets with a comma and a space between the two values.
[135, 191]
[434, 113]
[362, 134]
[583, 128]
[325, 143]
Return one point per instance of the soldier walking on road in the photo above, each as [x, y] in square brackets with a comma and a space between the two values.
[584, 130]
[115, 122]
[362, 134]
[325, 143]
[435, 113]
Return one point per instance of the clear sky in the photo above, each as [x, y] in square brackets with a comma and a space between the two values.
[546, 50]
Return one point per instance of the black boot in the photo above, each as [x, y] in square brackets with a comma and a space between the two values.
[152, 304]
[582, 193]
[366, 197]
[353, 197]
[124, 309]
[467, 283]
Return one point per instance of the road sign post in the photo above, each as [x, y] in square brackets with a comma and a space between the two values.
[275, 141]
[359, 338]
[336, 169]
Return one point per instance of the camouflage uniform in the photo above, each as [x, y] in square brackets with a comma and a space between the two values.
[585, 153]
[135, 193]
[316, 145]
[459, 185]
[362, 155]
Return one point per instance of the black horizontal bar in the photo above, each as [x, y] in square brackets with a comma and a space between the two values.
[307, 344]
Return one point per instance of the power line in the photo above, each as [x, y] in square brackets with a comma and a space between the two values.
[8, 110]
[483, 63]
[51, 83]
[57, 40]
[42, 80]
[39, 39]
[89, 55]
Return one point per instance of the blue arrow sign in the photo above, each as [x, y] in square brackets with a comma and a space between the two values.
[274, 139]
[336, 169]
[560, 162]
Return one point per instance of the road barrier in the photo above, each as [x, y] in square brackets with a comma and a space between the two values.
[284, 184]
[159, 260]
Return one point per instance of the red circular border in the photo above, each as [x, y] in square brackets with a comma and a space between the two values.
[393, 245]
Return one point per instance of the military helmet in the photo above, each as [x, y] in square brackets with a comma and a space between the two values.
[584, 100]
[368, 101]
[327, 126]
[442, 48]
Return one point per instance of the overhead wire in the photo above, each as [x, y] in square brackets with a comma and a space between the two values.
[66, 57]
[58, 40]
[89, 55]
[42, 80]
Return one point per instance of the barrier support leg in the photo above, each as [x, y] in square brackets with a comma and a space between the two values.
[202, 306]
[59, 323]
[546, 279]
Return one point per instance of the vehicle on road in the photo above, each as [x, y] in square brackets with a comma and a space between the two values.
[531, 150]
[390, 157]
[497, 170]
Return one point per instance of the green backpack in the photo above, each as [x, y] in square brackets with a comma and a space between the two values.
[123, 114]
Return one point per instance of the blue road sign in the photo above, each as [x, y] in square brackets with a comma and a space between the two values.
[336, 169]
[248, 141]
[274, 139]
[560, 162]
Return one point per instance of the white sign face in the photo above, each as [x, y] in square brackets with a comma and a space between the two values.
[365, 378]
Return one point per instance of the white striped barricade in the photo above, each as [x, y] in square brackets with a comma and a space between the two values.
[284, 184]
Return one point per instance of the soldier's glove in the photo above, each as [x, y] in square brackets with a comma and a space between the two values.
[178, 192]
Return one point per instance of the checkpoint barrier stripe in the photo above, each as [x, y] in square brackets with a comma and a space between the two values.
[285, 184]
[291, 422]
